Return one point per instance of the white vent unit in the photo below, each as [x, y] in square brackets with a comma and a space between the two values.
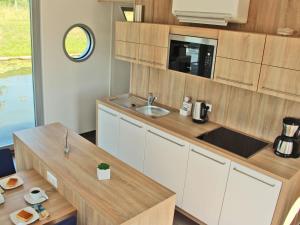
[216, 12]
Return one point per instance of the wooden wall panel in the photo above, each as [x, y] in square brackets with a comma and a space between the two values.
[250, 112]
[139, 80]
[168, 86]
[265, 16]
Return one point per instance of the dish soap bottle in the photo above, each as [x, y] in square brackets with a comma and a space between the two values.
[186, 109]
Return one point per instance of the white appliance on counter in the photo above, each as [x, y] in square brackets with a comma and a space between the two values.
[215, 12]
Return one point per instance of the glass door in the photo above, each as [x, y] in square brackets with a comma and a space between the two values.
[17, 110]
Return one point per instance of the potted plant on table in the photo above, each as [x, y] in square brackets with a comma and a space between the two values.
[103, 171]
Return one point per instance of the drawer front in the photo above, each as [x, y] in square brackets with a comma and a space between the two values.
[282, 52]
[126, 51]
[127, 31]
[154, 34]
[237, 73]
[280, 82]
[241, 46]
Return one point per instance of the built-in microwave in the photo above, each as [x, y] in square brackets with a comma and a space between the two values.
[192, 55]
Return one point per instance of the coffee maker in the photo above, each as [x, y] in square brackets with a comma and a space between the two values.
[287, 145]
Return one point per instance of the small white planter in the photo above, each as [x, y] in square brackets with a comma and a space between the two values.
[103, 174]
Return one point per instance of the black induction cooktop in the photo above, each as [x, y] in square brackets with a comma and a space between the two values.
[234, 142]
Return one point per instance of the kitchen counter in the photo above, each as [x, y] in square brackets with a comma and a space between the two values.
[264, 161]
[129, 198]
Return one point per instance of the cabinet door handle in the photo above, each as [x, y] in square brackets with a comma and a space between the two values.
[126, 57]
[127, 121]
[255, 178]
[112, 114]
[167, 139]
[146, 61]
[208, 157]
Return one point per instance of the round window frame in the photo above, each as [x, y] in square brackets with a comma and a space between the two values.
[90, 38]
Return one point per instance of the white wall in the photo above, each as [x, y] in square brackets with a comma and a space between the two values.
[71, 89]
[120, 70]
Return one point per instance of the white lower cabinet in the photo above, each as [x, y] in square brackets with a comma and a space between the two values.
[132, 142]
[250, 197]
[208, 186]
[205, 185]
[108, 130]
[166, 160]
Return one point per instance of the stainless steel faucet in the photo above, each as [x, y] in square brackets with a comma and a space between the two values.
[150, 99]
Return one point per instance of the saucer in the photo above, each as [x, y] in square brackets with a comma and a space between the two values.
[31, 201]
[16, 221]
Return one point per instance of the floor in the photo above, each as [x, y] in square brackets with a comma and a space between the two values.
[179, 218]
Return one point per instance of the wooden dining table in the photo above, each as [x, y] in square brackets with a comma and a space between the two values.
[57, 206]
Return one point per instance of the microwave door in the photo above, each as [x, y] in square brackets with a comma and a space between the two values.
[179, 59]
[194, 52]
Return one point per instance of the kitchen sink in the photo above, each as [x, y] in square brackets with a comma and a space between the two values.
[153, 111]
[128, 101]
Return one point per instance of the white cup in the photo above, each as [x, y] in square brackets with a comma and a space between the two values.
[35, 193]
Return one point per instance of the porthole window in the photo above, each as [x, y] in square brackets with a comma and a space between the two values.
[79, 43]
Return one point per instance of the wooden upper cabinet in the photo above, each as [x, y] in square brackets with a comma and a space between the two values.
[237, 73]
[282, 52]
[126, 51]
[241, 46]
[154, 34]
[153, 56]
[195, 31]
[280, 82]
[128, 32]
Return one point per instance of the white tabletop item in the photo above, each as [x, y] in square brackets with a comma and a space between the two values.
[16, 221]
[2, 200]
[36, 196]
[186, 109]
[3, 182]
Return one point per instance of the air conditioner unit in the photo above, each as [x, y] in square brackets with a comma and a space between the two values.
[216, 12]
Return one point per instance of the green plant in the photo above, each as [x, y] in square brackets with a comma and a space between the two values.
[103, 166]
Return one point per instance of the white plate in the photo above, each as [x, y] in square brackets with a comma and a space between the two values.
[31, 201]
[16, 221]
[3, 182]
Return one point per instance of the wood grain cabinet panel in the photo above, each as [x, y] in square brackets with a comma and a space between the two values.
[195, 31]
[237, 73]
[154, 34]
[127, 31]
[280, 82]
[241, 46]
[153, 56]
[126, 51]
[282, 52]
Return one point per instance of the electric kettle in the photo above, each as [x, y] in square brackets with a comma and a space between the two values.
[200, 112]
